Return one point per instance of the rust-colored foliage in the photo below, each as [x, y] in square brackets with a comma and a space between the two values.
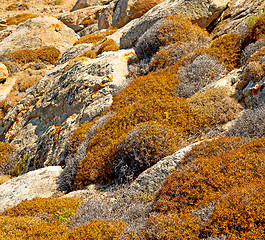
[226, 49]
[94, 38]
[98, 230]
[256, 57]
[47, 207]
[108, 45]
[179, 29]
[207, 179]
[217, 106]
[5, 150]
[31, 228]
[240, 214]
[256, 32]
[79, 136]
[45, 54]
[20, 18]
[89, 54]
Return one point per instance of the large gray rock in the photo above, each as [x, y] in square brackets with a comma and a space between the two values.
[88, 3]
[38, 32]
[152, 179]
[235, 18]
[201, 12]
[121, 12]
[41, 124]
[74, 19]
[40, 183]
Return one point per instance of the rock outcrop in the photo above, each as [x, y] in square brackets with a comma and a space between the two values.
[121, 12]
[152, 179]
[40, 183]
[38, 32]
[74, 19]
[201, 12]
[41, 124]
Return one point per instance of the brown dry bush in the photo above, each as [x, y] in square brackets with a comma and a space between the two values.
[227, 49]
[144, 146]
[207, 179]
[228, 182]
[21, 228]
[11, 67]
[175, 29]
[108, 45]
[20, 18]
[48, 207]
[5, 150]
[99, 230]
[89, 54]
[253, 72]
[240, 214]
[218, 107]
[94, 38]
[44, 54]
[250, 50]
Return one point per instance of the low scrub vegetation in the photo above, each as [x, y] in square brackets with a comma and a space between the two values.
[20, 18]
[43, 54]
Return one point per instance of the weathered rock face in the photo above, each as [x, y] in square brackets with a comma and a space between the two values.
[40, 183]
[235, 18]
[152, 179]
[85, 3]
[123, 11]
[73, 52]
[41, 124]
[201, 12]
[38, 32]
[74, 19]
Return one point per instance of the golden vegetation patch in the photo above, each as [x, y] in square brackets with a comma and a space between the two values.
[21, 228]
[226, 49]
[49, 208]
[99, 230]
[20, 18]
[108, 45]
[89, 54]
[94, 38]
[218, 107]
[5, 150]
[44, 54]
[207, 179]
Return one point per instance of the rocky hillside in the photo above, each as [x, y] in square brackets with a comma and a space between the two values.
[132, 119]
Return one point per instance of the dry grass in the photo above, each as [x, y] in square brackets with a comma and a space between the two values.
[20, 18]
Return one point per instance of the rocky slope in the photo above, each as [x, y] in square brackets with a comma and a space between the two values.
[151, 112]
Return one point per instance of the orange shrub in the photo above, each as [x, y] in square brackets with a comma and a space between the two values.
[89, 54]
[48, 207]
[21, 228]
[20, 18]
[108, 45]
[94, 38]
[240, 214]
[217, 106]
[5, 150]
[207, 179]
[226, 49]
[99, 230]
[45, 54]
